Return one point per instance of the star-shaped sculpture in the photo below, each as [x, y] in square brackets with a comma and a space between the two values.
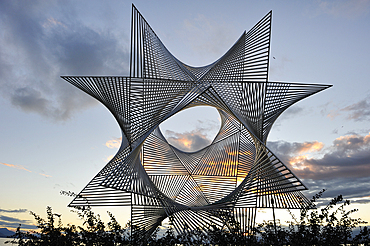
[222, 184]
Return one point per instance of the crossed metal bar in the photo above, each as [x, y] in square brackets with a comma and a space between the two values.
[222, 184]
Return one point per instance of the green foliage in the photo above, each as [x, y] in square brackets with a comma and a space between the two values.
[330, 225]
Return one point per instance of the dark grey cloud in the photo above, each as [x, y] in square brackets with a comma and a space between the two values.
[286, 149]
[188, 141]
[193, 140]
[356, 190]
[342, 168]
[349, 156]
[29, 99]
[10, 219]
[21, 210]
[24, 226]
[12, 222]
[359, 111]
[42, 40]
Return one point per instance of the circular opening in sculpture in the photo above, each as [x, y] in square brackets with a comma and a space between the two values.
[192, 129]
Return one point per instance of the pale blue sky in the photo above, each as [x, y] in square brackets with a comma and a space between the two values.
[53, 137]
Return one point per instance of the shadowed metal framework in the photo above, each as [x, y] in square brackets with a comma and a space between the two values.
[222, 184]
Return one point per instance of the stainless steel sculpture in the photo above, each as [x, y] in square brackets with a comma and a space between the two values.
[222, 184]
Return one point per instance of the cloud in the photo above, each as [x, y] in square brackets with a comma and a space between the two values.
[333, 114]
[38, 47]
[347, 157]
[21, 210]
[188, 141]
[359, 111]
[12, 222]
[52, 22]
[10, 219]
[349, 9]
[29, 99]
[114, 143]
[357, 192]
[23, 168]
[342, 168]
[290, 149]
[45, 175]
[16, 166]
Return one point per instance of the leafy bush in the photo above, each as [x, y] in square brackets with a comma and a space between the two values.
[330, 225]
[94, 232]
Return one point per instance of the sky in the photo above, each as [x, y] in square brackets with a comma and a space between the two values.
[55, 138]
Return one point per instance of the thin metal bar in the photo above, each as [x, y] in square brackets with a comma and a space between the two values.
[221, 184]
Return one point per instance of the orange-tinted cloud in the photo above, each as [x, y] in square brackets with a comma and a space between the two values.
[16, 166]
[188, 141]
[347, 157]
[45, 175]
[352, 141]
[310, 147]
[52, 22]
[22, 168]
[114, 143]
[333, 114]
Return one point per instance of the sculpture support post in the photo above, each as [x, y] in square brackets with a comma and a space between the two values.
[273, 214]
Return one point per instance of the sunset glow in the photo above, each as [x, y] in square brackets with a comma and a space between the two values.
[56, 138]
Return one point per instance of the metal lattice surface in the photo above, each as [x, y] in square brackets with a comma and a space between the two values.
[222, 184]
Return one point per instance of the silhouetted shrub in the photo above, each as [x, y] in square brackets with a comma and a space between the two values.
[330, 225]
